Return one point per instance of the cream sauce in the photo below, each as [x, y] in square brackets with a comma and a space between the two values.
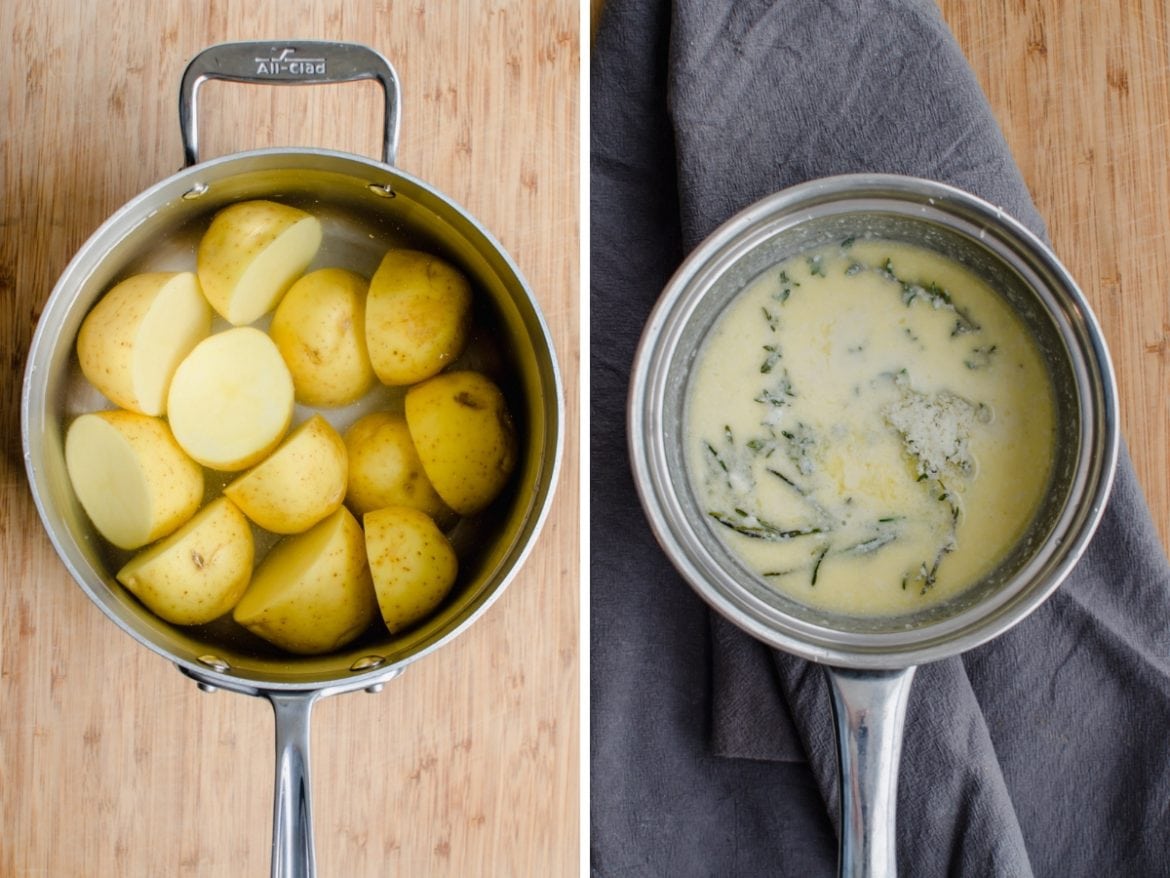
[870, 428]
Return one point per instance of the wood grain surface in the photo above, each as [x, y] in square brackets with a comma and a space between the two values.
[111, 762]
[1082, 92]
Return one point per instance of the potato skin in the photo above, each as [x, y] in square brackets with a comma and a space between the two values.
[385, 470]
[320, 329]
[199, 572]
[464, 436]
[312, 593]
[299, 484]
[145, 452]
[111, 340]
[412, 564]
[418, 316]
[240, 238]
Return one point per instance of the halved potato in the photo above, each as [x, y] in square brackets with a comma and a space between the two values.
[412, 563]
[418, 315]
[463, 433]
[131, 477]
[297, 485]
[137, 334]
[250, 255]
[231, 400]
[320, 328]
[384, 469]
[197, 573]
[312, 593]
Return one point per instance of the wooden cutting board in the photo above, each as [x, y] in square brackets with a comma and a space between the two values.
[1082, 92]
[111, 762]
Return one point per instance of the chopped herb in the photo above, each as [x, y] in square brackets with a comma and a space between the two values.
[771, 360]
[854, 268]
[715, 454]
[799, 490]
[817, 566]
[761, 530]
[872, 544]
[848, 242]
[781, 391]
[773, 320]
[816, 266]
[980, 357]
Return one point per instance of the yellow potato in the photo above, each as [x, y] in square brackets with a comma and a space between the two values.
[312, 593]
[418, 315]
[136, 335]
[231, 400]
[384, 469]
[251, 253]
[464, 436]
[130, 476]
[197, 573]
[412, 564]
[297, 485]
[319, 327]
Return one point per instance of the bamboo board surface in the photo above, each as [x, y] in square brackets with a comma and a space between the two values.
[1082, 92]
[113, 763]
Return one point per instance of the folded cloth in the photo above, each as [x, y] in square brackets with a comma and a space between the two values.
[1044, 752]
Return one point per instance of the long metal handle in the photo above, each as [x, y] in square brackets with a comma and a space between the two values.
[298, 62]
[293, 854]
[870, 709]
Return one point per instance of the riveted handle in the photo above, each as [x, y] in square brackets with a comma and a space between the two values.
[293, 854]
[869, 708]
[298, 62]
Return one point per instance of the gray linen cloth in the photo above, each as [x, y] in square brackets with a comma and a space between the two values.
[1046, 752]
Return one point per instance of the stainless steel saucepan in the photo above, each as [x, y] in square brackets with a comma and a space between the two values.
[870, 662]
[365, 206]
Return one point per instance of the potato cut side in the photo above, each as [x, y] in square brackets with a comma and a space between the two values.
[250, 255]
[462, 430]
[231, 400]
[412, 563]
[130, 476]
[137, 334]
[200, 571]
[320, 328]
[384, 469]
[297, 485]
[312, 593]
[418, 315]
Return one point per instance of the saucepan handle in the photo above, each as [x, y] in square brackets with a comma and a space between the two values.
[869, 708]
[296, 62]
[292, 815]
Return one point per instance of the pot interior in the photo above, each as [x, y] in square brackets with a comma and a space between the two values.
[998, 251]
[365, 208]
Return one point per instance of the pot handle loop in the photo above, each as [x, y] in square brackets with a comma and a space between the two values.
[293, 854]
[298, 62]
[869, 708]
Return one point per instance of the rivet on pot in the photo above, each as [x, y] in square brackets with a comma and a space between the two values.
[214, 662]
[382, 189]
[195, 191]
[368, 663]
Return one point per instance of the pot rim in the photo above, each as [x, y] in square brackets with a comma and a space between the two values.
[656, 364]
[190, 183]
